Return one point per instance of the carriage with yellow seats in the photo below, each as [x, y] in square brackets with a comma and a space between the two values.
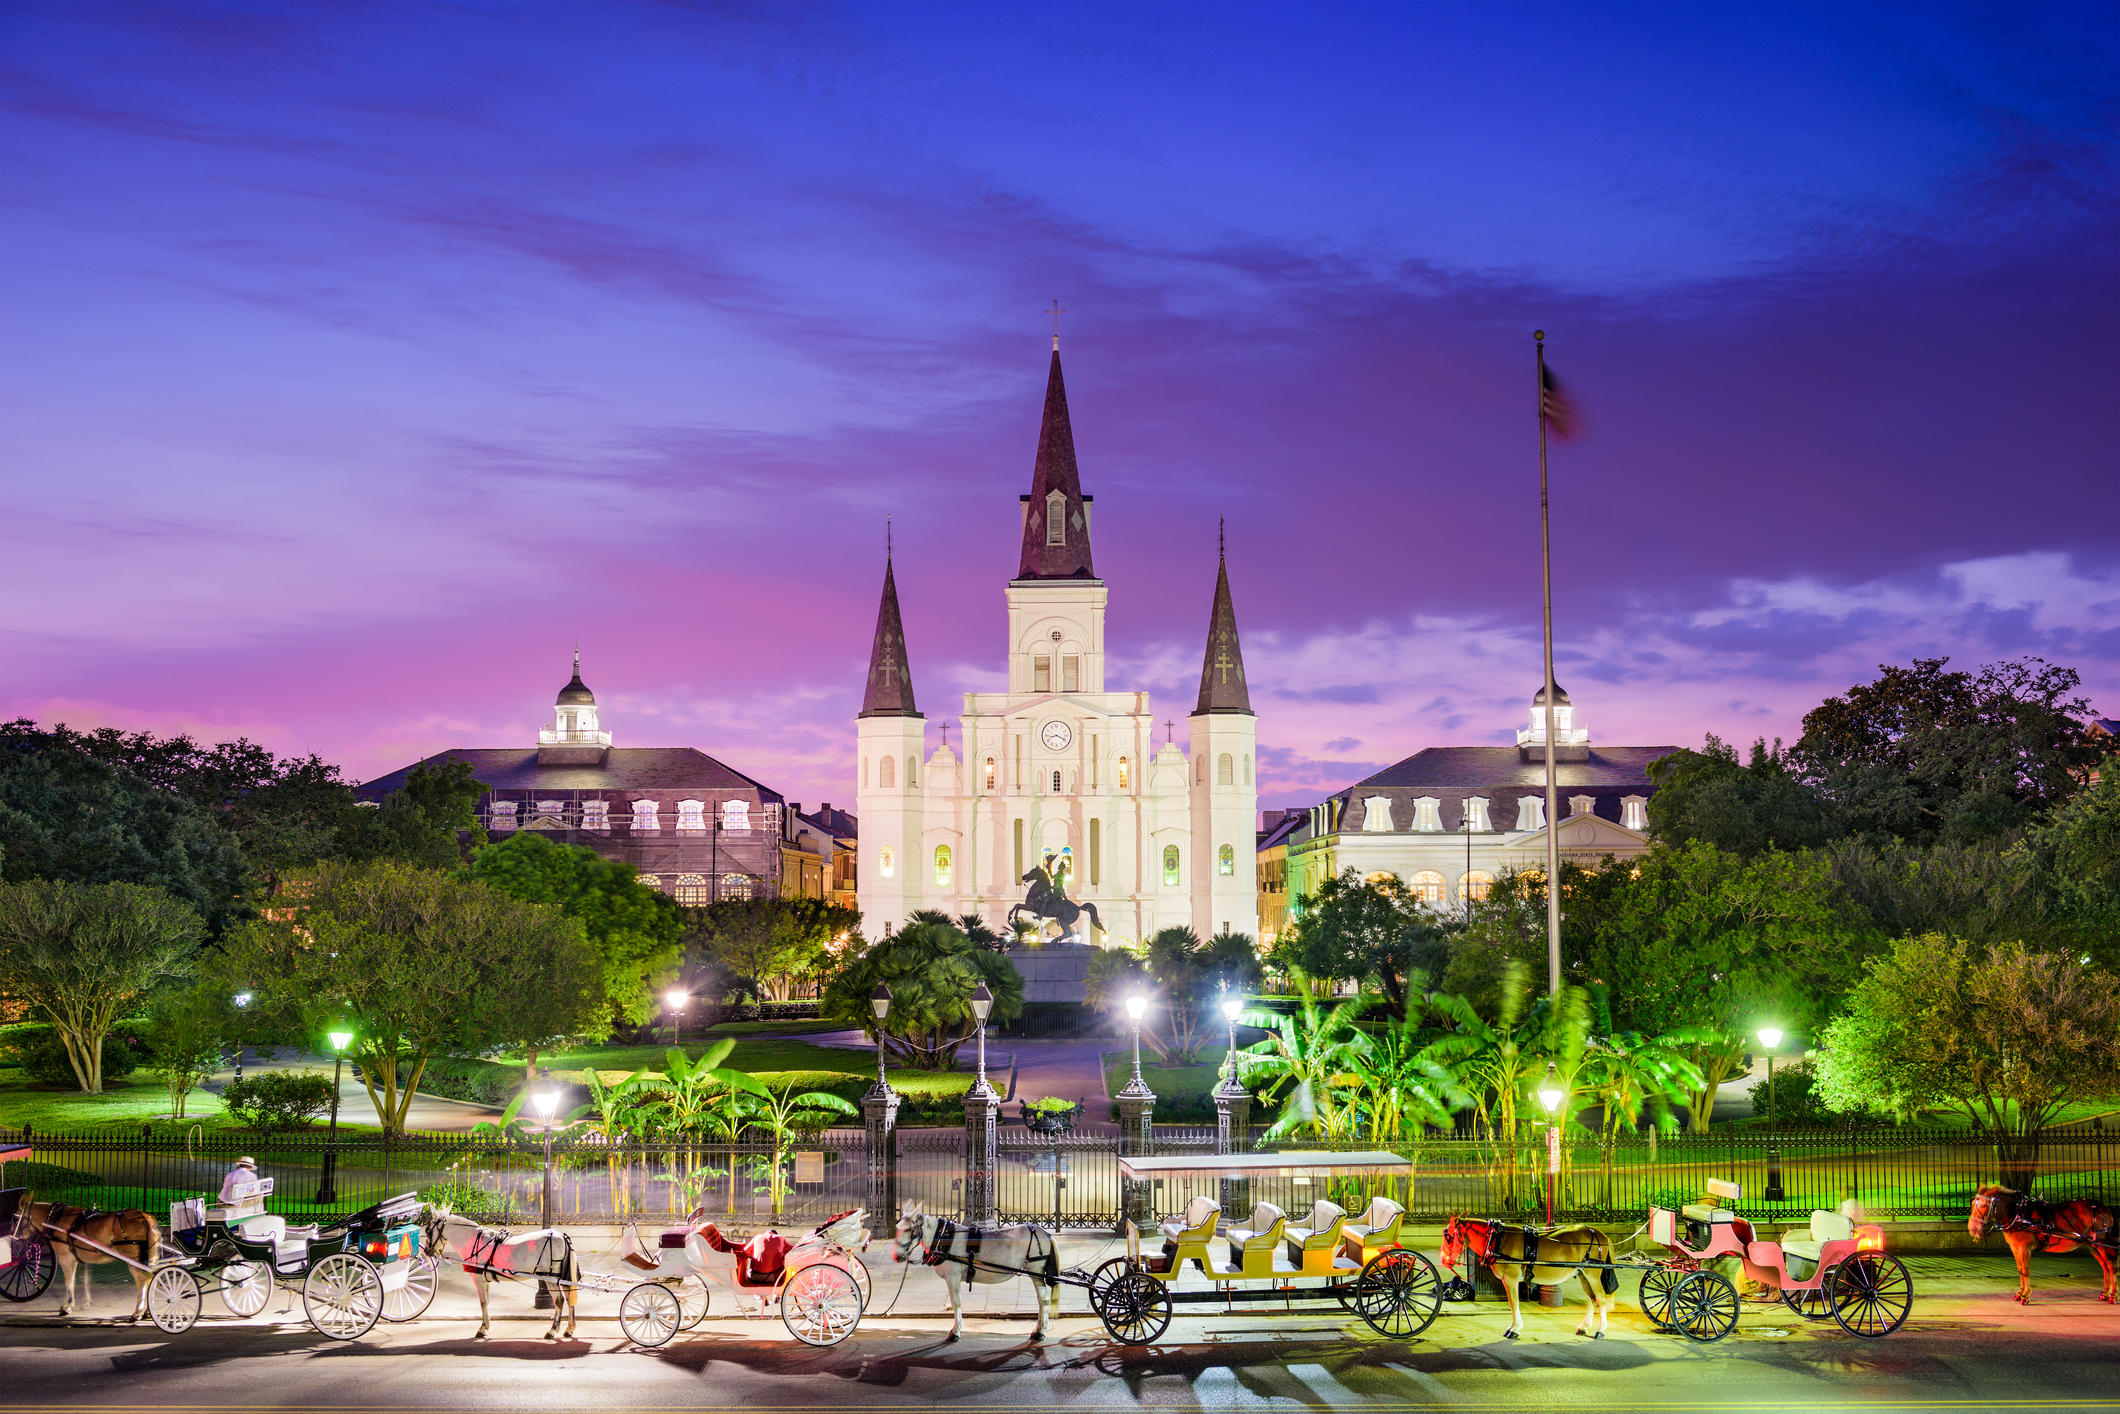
[1356, 1262]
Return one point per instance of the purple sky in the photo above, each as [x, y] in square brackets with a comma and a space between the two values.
[360, 359]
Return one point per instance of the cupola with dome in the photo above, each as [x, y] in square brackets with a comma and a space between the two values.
[1570, 742]
[574, 739]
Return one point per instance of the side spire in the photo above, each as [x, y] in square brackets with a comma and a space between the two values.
[1055, 524]
[1222, 684]
[890, 685]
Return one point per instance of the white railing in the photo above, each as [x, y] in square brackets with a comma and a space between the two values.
[548, 737]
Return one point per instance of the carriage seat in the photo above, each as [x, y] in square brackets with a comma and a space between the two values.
[1199, 1212]
[1319, 1233]
[1255, 1248]
[1707, 1210]
[290, 1245]
[1377, 1228]
[1825, 1227]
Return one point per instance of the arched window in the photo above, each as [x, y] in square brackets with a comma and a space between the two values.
[1247, 768]
[1170, 865]
[886, 861]
[1056, 518]
[1427, 886]
[1126, 780]
[1056, 783]
[1225, 770]
[736, 887]
[1226, 859]
[692, 889]
[1476, 885]
[942, 866]
[989, 773]
[912, 773]
[650, 881]
[887, 771]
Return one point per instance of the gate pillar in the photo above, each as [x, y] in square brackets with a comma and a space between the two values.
[879, 1112]
[1137, 1111]
[1233, 1136]
[982, 1150]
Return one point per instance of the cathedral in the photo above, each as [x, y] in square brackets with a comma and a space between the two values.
[1060, 773]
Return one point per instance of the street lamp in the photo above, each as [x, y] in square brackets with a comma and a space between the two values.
[880, 1003]
[1769, 1038]
[677, 998]
[242, 1000]
[327, 1188]
[1550, 1095]
[1232, 1007]
[546, 1100]
[1137, 1007]
[982, 1003]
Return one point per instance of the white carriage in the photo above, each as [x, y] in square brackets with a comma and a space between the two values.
[817, 1281]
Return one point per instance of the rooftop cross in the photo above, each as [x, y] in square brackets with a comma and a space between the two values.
[1056, 311]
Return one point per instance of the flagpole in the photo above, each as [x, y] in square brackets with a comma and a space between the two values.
[1553, 841]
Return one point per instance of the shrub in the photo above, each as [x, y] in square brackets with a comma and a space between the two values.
[1051, 1104]
[278, 1099]
[480, 1082]
[1796, 1098]
[39, 1051]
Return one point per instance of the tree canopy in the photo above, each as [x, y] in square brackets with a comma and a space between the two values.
[637, 931]
[1742, 808]
[757, 946]
[1186, 979]
[1354, 929]
[932, 971]
[424, 824]
[84, 954]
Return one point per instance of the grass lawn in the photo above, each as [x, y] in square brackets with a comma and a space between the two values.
[123, 1106]
[1170, 1082]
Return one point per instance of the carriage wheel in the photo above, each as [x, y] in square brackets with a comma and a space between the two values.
[859, 1270]
[423, 1278]
[25, 1278]
[821, 1304]
[1399, 1293]
[343, 1296]
[1136, 1309]
[1657, 1286]
[245, 1287]
[1101, 1280]
[172, 1299]
[1812, 1305]
[1870, 1294]
[650, 1314]
[692, 1300]
[1704, 1307]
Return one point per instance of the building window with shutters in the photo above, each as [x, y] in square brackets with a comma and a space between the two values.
[1225, 770]
[1247, 768]
[1018, 773]
[942, 866]
[886, 862]
[1226, 862]
[887, 772]
[1170, 866]
[1019, 849]
[1041, 673]
[1070, 673]
[912, 773]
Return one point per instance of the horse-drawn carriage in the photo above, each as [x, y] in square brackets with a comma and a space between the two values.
[1357, 1263]
[25, 1256]
[818, 1282]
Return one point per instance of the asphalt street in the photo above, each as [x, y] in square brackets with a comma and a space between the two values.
[1968, 1347]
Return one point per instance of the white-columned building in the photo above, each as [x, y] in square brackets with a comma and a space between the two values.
[1060, 769]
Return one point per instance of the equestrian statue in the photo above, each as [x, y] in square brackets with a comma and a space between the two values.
[1048, 899]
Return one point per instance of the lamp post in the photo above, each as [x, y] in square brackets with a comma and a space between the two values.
[1769, 1038]
[1233, 1111]
[327, 1187]
[1136, 1008]
[982, 1125]
[1550, 1095]
[1137, 1114]
[982, 1003]
[879, 1110]
[676, 999]
[880, 1003]
[547, 1101]
[242, 1000]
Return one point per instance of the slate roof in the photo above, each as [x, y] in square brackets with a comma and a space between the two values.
[1476, 767]
[1222, 685]
[834, 822]
[1279, 831]
[890, 685]
[1055, 471]
[627, 768]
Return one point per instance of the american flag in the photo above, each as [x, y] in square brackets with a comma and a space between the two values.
[1564, 421]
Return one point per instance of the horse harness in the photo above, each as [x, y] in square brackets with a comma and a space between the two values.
[936, 1253]
[74, 1218]
[1493, 1253]
[2038, 1218]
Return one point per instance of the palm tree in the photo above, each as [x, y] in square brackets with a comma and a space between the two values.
[1311, 1056]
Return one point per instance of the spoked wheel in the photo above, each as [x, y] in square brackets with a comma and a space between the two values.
[1100, 1281]
[859, 1270]
[423, 1277]
[650, 1314]
[172, 1299]
[692, 1301]
[245, 1287]
[1399, 1293]
[343, 1296]
[821, 1305]
[1136, 1309]
[1811, 1305]
[1657, 1285]
[25, 1278]
[1704, 1307]
[1870, 1293]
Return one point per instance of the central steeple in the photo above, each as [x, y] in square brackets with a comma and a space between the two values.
[1055, 519]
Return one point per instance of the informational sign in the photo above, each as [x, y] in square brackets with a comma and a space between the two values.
[809, 1168]
[1553, 1148]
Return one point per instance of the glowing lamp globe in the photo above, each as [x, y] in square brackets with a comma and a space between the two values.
[1769, 1037]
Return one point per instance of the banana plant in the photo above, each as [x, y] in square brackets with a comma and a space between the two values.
[783, 1114]
[610, 1118]
[687, 1093]
[1311, 1057]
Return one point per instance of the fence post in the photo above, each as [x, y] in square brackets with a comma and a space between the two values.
[1137, 1114]
[982, 1150]
[879, 1112]
[1233, 1136]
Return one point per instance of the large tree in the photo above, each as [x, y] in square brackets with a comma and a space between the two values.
[759, 946]
[82, 955]
[1924, 753]
[428, 823]
[2003, 1034]
[637, 931]
[1740, 807]
[932, 971]
[420, 963]
[1354, 929]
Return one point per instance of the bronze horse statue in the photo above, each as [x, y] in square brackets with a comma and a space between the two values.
[1048, 899]
[2031, 1226]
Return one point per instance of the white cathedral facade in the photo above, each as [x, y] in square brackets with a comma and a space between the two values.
[1060, 770]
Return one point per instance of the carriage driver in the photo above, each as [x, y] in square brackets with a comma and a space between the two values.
[245, 1171]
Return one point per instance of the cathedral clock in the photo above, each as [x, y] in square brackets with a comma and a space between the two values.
[1056, 735]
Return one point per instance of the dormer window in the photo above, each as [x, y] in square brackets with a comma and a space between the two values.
[736, 817]
[1531, 812]
[1056, 518]
[594, 816]
[503, 815]
[1476, 814]
[1581, 805]
[691, 817]
[644, 812]
[1428, 819]
[1376, 814]
[1634, 812]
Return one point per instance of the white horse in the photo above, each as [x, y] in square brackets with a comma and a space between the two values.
[488, 1253]
[985, 1255]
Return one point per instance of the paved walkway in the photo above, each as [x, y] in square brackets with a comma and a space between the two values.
[429, 1113]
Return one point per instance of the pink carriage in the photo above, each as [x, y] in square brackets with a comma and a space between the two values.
[818, 1280]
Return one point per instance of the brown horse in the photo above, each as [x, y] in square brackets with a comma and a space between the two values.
[1504, 1248]
[2030, 1226]
[128, 1232]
